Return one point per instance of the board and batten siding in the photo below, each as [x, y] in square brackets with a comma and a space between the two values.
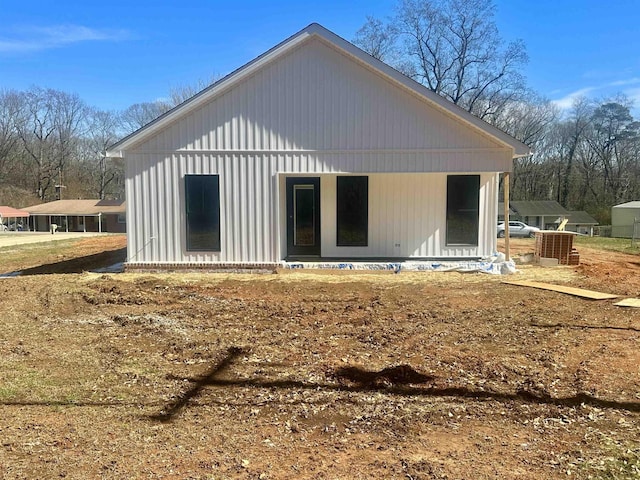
[406, 211]
[316, 99]
[314, 111]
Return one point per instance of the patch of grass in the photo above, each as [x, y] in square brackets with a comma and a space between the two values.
[17, 257]
[8, 393]
[622, 245]
[621, 462]
[23, 385]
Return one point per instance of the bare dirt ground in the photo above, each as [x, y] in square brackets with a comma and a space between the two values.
[316, 375]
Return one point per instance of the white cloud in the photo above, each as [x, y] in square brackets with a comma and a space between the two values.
[566, 102]
[31, 39]
[630, 87]
[622, 83]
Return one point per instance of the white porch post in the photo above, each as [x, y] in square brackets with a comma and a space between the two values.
[507, 248]
[100, 222]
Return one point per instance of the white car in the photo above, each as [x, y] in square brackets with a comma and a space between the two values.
[518, 229]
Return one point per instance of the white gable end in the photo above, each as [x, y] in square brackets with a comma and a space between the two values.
[316, 98]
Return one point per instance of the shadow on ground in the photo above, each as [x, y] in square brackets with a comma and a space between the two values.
[79, 264]
[400, 380]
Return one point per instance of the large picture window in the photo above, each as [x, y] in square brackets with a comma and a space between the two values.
[463, 209]
[353, 211]
[202, 195]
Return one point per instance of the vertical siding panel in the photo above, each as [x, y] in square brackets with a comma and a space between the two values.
[217, 114]
[228, 121]
[271, 226]
[237, 207]
[160, 213]
[140, 204]
[259, 177]
[149, 199]
[273, 114]
[208, 128]
[263, 99]
[243, 201]
[375, 225]
[174, 180]
[198, 130]
[230, 208]
[412, 218]
[144, 206]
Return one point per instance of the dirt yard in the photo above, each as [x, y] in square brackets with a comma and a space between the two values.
[317, 375]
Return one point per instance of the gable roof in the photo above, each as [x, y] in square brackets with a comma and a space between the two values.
[518, 148]
[537, 208]
[580, 217]
[77, 207]
[501, 209]
[628, 205]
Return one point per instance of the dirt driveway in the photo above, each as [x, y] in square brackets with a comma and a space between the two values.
[316, 375]
[8, 239]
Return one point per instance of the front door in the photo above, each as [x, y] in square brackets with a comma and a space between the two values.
[303, 216]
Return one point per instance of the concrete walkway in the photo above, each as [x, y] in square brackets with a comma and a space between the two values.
[8, 239]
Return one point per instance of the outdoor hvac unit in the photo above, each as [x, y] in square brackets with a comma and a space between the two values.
[552, 244]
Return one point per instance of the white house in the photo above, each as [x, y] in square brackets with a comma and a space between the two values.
[313, 150]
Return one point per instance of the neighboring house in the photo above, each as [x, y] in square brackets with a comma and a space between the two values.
[12, 218]
[623, 219]
[314, 150]
[581, 222]
[79, 216]
[544, 214]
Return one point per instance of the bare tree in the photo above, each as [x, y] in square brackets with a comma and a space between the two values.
[529, 120]
[36, 130]
[8, 135]
[570, 138]
[376, 38]
[140, 114]
[48, 124]
[453, 47]
[181, 93]
[106, 174]
[614, 137]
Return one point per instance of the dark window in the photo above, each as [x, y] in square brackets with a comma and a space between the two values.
[463, 200]
[353, 211]
[202, 194]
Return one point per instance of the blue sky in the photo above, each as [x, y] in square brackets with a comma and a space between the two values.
[117, 53]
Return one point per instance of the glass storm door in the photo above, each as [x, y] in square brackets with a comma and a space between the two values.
[303, 216]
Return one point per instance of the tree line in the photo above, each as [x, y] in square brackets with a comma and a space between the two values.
[586, 159]
[52, 144]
